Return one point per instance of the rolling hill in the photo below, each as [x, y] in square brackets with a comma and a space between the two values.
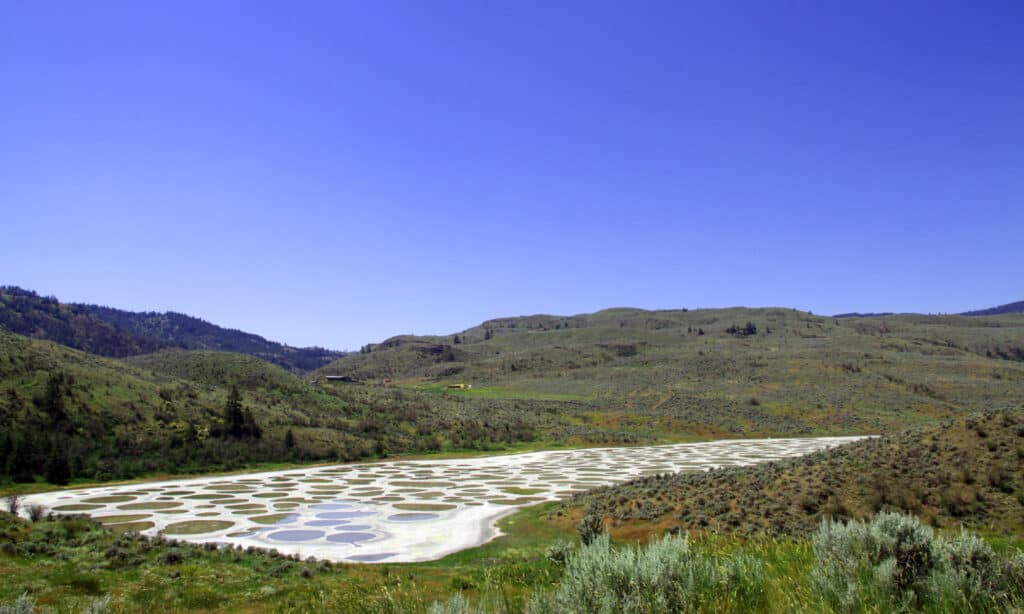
[116, 333]
[707, 373]
[165, 412]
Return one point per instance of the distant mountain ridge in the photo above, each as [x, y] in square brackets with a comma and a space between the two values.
[1017, 307]
[856, 314]
[116, 333]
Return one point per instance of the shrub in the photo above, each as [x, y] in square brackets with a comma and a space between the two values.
[456, 604]
[879, 562]
[971, 576]
[896, 563]
[36, 512]
[665, 576]
[21, 605]
[172, 556]
[558, 552]
[13, 504]
[100, 605]
[589, 528]
[1001, 479]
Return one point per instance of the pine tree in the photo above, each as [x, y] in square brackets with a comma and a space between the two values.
[250, 428]
[53, 401]
[6, 447]
[58, 470]
[13, 400]
[234, 418]
[20, 464]
[289, 440]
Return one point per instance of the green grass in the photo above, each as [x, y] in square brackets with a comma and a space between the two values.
[493, 392]
[74, 560]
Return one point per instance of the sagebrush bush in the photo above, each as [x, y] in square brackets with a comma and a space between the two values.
[665, 576]
[589, 528]
[971, 576]
[456, 604]
[558, 552]
[100, 605]
[21, 605]
[896, 563]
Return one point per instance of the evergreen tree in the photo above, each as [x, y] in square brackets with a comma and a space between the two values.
[250, 428]
[53, 401]
[289, 440]
[20, 465]
[58, 470]
[13, 401]
[6, 447]
[234, 417]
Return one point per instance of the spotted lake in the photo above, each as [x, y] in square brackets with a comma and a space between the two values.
[397, 511]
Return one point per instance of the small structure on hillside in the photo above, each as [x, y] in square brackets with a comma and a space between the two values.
[459, 386]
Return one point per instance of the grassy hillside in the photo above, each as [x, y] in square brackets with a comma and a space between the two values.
[116, 333]
[165, 413]
[620, 376]
[704, 372]
[968, 471]
[213, 368]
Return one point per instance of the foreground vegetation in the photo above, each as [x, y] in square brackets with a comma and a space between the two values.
[892, 563]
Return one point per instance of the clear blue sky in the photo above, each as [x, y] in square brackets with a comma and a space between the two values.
[334, 173]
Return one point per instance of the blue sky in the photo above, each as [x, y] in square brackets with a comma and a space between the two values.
[335, 173]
